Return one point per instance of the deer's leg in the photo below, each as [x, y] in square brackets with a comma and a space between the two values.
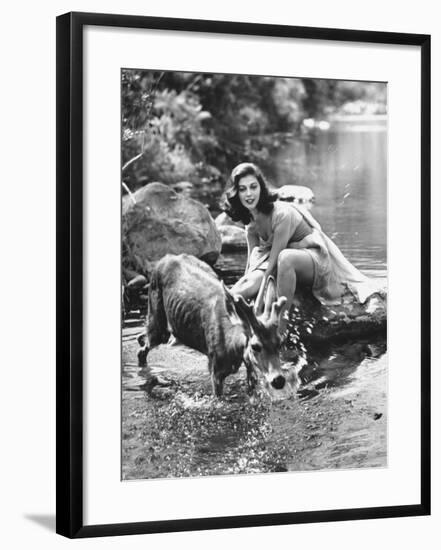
[143, 351]
[217, 377]
[217, 382]
[150, 379]
[156, 333]
[156, 323]
[218, 386]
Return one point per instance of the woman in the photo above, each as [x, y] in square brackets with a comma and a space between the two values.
[286, 242]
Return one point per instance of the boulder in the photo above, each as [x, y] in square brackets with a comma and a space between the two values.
[224, 220]
[232, 233]
[233, 238]
[296, 193]
[184, 188]
[156, 221]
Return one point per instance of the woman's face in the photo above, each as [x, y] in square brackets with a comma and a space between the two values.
[249, 191]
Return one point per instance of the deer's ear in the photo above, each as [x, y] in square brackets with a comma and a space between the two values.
[229, 298]
[246, 312]
[227, 293]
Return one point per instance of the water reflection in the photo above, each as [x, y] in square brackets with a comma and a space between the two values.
[333, 365]
[351, 194]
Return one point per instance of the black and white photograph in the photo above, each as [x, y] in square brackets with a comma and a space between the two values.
[253, 274]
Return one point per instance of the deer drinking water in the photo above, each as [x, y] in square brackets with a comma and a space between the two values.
[187, 299]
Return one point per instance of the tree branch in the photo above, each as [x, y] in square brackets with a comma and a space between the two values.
[131, 161]
[129, 192]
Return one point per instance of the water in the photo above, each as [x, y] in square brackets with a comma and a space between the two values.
[350, 185]
[337, 417]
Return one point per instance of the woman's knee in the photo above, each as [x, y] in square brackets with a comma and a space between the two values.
[298, 262]
[286, 260]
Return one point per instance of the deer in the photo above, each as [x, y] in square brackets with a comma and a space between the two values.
[189, 301]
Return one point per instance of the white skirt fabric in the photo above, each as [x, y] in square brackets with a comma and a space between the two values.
[334, 275]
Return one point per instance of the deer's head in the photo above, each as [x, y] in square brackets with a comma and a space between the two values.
[264, 342]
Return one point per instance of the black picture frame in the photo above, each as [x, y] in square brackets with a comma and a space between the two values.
[69, 220]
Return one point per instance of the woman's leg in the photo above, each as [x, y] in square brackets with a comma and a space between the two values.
[293, 266]
[248, 285]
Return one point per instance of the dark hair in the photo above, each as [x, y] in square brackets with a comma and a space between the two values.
[232, 204]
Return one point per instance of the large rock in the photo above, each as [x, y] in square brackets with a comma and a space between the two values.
[157, 221]
[233, 238]
[184, 188]
[232, 233]
[298, 194]
[224, 220]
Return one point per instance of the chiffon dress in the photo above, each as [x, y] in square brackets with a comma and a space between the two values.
[334, 276]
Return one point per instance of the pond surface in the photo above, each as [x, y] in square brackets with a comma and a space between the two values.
[337, 416]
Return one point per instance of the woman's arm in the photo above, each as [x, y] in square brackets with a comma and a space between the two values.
[281, 236]
[252, 242]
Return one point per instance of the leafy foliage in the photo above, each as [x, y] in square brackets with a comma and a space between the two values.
[196, 127]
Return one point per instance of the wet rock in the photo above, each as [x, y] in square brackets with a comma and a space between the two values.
[296, 193]
[233, 238]
[163, 221]
[232, 233]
